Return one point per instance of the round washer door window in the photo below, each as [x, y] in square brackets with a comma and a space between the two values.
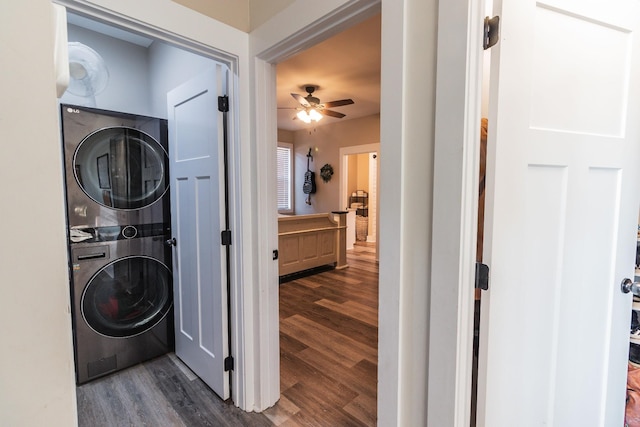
[121, 168]
[127, 297]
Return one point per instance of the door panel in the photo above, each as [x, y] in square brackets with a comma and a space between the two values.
[562, 213]
[195, 141]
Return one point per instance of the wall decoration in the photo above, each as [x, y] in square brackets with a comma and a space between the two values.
[325, 172]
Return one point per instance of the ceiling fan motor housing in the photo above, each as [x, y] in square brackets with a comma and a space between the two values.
[312, 100]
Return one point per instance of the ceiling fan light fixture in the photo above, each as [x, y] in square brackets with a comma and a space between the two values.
[314, 115]
[302, 115]
[308, 115]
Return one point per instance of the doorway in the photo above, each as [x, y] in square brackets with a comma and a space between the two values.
[360, 178]
[315, 363]
[143, 69]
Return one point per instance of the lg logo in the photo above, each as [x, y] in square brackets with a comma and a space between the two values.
[73, 110]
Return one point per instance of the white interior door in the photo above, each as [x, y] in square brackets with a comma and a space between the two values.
[197, 219]
[562, 211]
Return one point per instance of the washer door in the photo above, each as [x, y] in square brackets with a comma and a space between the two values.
[121, 168]
[127, 297]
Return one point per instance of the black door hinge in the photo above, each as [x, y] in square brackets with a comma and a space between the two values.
[223, 103]
[491, 32]
[226, 237]
[228, 363]
[482, 276]
[275, 254]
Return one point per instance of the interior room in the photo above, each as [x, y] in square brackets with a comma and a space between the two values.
[132, 74]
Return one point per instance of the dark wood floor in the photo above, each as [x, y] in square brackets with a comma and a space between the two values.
[328, 346]
[328, 339]
[161, 392]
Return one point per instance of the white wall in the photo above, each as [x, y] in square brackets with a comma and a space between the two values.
[37, 384]
[128, 87]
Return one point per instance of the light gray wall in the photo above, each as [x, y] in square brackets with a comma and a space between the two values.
[169, 67]
[139, 77]
[128, 87]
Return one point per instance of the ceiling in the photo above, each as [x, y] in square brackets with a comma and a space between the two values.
[344, 66]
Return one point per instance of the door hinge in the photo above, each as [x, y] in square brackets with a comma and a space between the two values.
[482, 276]
[491, 32]
[228, 363]
[226, 237]
[223, 103]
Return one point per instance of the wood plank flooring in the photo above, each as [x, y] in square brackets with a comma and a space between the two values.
[328, 340]
[161, 392]
[329, 346]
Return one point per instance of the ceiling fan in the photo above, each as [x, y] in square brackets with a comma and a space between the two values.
[312, 109]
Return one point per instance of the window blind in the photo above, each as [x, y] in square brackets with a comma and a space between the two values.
[284, 175]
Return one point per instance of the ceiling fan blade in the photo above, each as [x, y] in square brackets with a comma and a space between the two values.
[338, 103]
[301, 99]
[331, 113]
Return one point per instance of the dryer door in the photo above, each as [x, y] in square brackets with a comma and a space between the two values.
[121, 168]
[127, 297]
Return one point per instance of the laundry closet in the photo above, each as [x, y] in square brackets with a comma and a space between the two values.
[115, 132]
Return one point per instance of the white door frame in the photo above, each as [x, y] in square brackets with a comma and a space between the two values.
[242, 374]
[456, 181]
[267, 51]
[409, 34]
[344, 179]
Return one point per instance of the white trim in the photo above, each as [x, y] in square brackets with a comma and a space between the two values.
[276, 40]
[373, 197]
[113, 15]
[242, 375]
[456, 181]
[266, 328]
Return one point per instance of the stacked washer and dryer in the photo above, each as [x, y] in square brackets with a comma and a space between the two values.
[118, 211]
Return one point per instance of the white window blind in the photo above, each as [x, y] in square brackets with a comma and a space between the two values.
[284, 160]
